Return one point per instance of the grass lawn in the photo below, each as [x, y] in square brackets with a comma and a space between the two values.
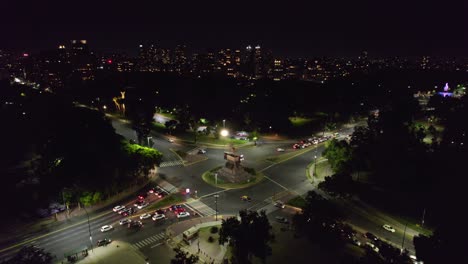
[210, 139]
[168, 115]
[159, 127]
[209, 178]
[323, 169]
[289, 155]
[297, 201]
[173, 198]
[300, 121]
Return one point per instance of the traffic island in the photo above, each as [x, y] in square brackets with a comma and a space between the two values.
[227, 178]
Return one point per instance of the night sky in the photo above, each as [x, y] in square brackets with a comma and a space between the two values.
[293, 28]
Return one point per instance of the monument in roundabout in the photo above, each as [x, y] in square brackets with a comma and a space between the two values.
[233, 171]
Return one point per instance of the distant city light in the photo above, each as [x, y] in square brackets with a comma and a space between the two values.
[25, 55]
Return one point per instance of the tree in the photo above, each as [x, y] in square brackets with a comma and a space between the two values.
[317, 221]
[182, 257]
[30, 255]
[249, 237]
[340, 184]
[339, 155]
[86, 198]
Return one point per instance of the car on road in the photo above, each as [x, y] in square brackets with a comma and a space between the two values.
[282, 220]
[142, 196]
[356, 242]
[161, 211]
[201, 151]
[158, 217]
[143, 205]
[389, 228]
[145, 216]
[135, 224]
[106, 228]
[371, 236]
[103, 242]
[280, 204]
[183, 214]
[127, 212]
[160, 194]
[175, 207]
[125, 221]
[246, 198]
[118, 208]
[280, 149]
[138, 203]
[170, 140]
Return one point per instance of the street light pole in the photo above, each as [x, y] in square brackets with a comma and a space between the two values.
[224, 123]
[315, 165]
[403, 242]
[89, 228]
[149, 140]
[216, 179]
[216, 206]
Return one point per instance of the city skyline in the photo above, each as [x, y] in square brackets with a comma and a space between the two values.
[296, 30]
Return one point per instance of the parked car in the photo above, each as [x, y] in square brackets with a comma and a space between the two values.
[142, 196]
[170, 140]
[106, 228]
[201, 151]
[103, 242]
[280, 204]
[175, 207]
[159, 194]
[372, 246]
[158, 217]
[145, 216]
[282, 220]
[280, 149]
[125, 221]
[183, 214]
[389, 228]
[118, 208]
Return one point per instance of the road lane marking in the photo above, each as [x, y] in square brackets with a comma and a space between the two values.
[157, 245]
[53, 232]
[277, 183]
[211, 194]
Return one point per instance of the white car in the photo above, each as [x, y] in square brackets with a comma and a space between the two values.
[125, 221]
[201, 151]
[280, 149]
[376, 249]
[143, 205]
[145, 216]
[170, 140]
[106, 228]
[183, 214]
[118, 208]
[389, 228]
[158, 216]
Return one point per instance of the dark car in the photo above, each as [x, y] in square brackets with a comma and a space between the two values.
[371, 236]
[142, 196]
[160, 211]
[135, 224]
[282, 220]
[103, 242]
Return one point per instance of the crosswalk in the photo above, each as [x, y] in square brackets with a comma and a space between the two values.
[149, 241]
[201, 208]
[171, 163]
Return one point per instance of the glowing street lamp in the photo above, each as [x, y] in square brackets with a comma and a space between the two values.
[224, 133]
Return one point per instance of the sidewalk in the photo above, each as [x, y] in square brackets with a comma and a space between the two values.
[117, 252]
[208, 252]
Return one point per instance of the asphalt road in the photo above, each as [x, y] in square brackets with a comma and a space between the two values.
[288, 175]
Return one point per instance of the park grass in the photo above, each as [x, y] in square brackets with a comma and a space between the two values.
[158, 127]
[297, 121]
[297, 201]
[209, 178]
[283, 157]
[210, 139]
[173, 198]
[323, 168]
[168, 115]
